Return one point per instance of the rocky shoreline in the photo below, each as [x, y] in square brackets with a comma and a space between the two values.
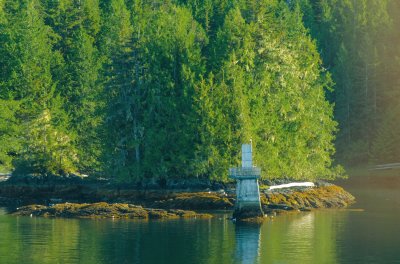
[331, 196]
[93, 200]
[104, 210]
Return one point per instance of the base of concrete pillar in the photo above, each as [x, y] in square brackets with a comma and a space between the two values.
[248, 211]
[248, 203]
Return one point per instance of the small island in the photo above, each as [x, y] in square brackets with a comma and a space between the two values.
[139, 104]
[248, 202]
[99, 200]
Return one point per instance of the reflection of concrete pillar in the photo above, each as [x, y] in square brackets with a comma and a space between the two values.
[247, 189]
[247, 238]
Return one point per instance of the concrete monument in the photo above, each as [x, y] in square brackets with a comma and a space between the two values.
[247, 189]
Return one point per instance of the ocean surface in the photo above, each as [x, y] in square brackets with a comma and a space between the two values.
[367, 232]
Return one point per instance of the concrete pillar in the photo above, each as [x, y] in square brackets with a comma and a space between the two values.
[247, 159]
[247, 190]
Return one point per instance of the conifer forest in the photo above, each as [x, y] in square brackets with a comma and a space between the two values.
[138, 89]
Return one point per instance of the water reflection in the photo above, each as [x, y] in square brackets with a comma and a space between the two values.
[331, 236]
[315, 237]
[38, 240]
[299, 238]
[3, 211]
[247, 238]
[302, 238]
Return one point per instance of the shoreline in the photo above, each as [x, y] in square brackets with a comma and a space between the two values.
[274, 202]
[105, 210]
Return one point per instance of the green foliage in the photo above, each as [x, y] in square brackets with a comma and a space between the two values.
[49, 150]
[121, 70]
[76, 25]
[28, 84]
[358, 44]
[9, 143]
[150, 94]
[137, 89]
[274, 85]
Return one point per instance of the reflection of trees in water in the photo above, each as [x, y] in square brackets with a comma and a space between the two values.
[39, 240]
[208, 241]
[301, 238]
[247, 239]
[3, 211]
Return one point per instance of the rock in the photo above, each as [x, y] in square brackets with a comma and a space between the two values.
[195, 201]
[325, 195]
[183, 213]
[222, 192]
[328, 196]
[104, 210]
[280, 206]
[31, 209]
[323, 184]
[248, 212]
[252, 220]
[158, 214]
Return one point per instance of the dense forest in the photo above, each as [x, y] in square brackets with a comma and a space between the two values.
[359, 44]
[133, 89]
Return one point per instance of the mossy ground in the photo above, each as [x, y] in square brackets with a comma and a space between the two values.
[292, 200]
[195, 201]
[104, 210]
[320, 197]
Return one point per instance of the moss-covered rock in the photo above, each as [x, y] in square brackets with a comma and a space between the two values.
[122, 200]
[104, 210]
[252, 220]
[195, 201]
[319, 197]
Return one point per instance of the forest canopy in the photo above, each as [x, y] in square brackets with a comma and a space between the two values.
[131, 89]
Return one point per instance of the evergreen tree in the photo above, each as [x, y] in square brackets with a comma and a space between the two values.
[270, 88]
[151, 93]
[121, 94]
[137, 89]
[174, 64]
[76, 25]
[351, 37]
[28, 81]
[9, 143]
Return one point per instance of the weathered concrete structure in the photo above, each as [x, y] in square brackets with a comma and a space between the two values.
[247, 189]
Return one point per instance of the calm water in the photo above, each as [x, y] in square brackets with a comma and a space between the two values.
[371, 235]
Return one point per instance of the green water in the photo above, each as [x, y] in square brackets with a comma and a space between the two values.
[329, 236]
